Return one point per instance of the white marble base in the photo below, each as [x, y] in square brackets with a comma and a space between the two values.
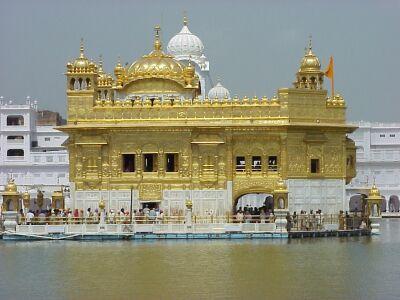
[325, 194]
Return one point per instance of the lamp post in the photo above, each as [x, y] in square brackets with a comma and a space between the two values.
[130, 213]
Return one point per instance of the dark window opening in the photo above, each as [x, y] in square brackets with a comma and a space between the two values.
[150, 162]
[15, 152]
[256, 163]
[240, 163]
[272, 163]
[128, 162]
[34, 143]
[15, 120]
[172, 162]
[314, 165]
[15, 137]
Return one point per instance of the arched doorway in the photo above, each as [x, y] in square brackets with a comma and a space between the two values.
[254, 202]
[394, 203]
[357, 203]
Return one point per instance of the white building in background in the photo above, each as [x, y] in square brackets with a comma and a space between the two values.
[31, 154]
[187, 47]
[378, 158]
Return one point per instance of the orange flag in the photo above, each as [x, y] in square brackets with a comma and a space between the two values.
[329, 70]
[329, 74]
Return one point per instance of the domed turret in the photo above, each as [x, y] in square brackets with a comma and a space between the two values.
[81, 64]
[309, 75]
[185, 43]
[156, 63]
[167, 75]
[219, 92]
[11, 187]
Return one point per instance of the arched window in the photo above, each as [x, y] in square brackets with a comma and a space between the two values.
[15, 120]
[80, 80]
[72, 84]
[87, 83]
[15, 152]
[15, 137]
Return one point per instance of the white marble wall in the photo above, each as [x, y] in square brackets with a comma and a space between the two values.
[204, 201]
[325, 194]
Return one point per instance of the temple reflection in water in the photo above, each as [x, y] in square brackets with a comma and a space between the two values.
[157, 133]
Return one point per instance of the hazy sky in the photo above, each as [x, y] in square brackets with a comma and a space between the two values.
[254, 46]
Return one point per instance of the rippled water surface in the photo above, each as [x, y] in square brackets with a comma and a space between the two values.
[324, 268]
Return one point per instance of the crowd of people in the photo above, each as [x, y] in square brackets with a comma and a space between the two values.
[304, 221]
[89, 216]
[254, 214]
[314, 221]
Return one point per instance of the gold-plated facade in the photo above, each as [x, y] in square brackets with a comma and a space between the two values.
[156, 115]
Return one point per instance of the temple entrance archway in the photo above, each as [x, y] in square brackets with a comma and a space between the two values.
[394, 203]
[254, 202]
[357, 203]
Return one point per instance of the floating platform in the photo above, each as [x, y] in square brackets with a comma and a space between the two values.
[211, 231]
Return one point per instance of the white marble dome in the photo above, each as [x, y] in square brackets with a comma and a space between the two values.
[185, 43]
[219, 92]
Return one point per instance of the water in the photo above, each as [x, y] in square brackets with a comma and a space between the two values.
[325, 268]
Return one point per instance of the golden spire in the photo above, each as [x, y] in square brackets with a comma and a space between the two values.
[119, 65]
[157, 42]
[309, 42]
[185, 19]
[100, 64]
[81, 50]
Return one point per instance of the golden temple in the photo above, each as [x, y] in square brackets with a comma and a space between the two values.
[149, 134]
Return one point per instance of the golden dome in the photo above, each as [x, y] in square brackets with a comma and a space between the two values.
[374, 192]
[81, 61]
[81, 64]
[11, 186]
[119, 69]
[310, 61]
[157, 64]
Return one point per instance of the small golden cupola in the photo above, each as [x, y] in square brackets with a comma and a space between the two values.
[81, 64]
[158, 74]
[81, 72]
[119, 72]
[309, 75]
[104, 83]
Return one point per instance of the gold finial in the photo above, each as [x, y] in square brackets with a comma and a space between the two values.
[100, 64]
[157, 42]
[185, 19]
[310, 42]
[82, 49]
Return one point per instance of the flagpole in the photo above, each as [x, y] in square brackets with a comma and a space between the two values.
[333, 85]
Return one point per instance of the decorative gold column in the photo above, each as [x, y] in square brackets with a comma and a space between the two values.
[11, 197]
[374, 197]
[281, 195]
[57, 200]
[39, 199]
[26, 199]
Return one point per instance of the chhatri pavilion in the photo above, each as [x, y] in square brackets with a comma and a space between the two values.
[159, 132]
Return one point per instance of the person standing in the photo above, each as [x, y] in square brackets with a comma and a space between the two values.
[288, 222]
